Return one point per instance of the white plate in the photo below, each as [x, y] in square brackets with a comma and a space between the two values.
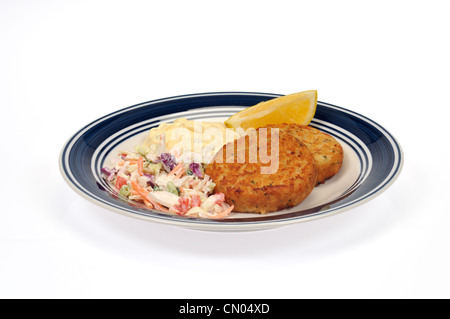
[372, 158]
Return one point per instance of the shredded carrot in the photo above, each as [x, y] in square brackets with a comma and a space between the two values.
[140, 165]
[129, 162]
[139, 189]
[223, 214]
[149, 205]
[160, 208]
[144, 193]
[180, 172]
[176, 169]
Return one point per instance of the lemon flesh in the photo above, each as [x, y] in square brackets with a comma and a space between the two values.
[296, 108]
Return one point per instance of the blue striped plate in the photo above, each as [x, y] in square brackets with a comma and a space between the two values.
[372, 158]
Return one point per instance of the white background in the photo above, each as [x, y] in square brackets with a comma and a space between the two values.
[64, 64]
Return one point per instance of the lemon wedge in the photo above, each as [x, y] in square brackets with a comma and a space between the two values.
[292, 108]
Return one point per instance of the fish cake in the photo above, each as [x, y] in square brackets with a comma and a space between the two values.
[327, 151]
[249, 187]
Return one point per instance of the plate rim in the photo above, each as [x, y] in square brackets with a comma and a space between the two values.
[223, 226]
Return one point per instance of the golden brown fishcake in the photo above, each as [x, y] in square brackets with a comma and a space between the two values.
[326, 150]
[251, 191]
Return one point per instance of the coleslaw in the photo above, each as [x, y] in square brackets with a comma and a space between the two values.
[167, 184]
